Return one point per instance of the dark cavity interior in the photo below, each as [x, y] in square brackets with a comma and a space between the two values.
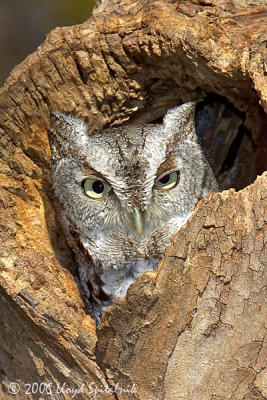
[227, 143]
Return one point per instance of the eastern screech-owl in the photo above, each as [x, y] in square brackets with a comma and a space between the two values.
[122, 193]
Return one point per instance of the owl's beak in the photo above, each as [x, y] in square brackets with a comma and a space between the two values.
[138, 221]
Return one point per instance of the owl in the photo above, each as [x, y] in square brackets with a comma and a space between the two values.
[120, 195]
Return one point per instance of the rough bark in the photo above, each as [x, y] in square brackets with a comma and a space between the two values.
[196, 327]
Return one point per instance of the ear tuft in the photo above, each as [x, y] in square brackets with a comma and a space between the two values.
[181, 119]
[67, 130]
[180, 114]
[62, 122]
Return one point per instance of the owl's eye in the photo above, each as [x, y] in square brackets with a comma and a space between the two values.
[168, 181]
[95, 188]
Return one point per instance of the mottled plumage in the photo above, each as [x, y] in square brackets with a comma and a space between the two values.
[122, 193]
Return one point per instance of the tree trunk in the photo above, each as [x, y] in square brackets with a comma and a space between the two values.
[196, 327]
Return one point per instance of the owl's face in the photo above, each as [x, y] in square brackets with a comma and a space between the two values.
[125, 191]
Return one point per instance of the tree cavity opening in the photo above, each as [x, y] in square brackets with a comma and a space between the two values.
[226, 142]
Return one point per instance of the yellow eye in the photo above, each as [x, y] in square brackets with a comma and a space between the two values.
[95, 188]
[168, 181]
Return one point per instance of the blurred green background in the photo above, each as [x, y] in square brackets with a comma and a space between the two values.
[24, 24]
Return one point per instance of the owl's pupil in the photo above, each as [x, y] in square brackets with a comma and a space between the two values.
[165, 179]
[98, 187]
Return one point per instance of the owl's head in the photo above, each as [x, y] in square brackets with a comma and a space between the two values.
[129, 186]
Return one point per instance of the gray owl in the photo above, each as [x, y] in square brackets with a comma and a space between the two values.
[122, 193]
